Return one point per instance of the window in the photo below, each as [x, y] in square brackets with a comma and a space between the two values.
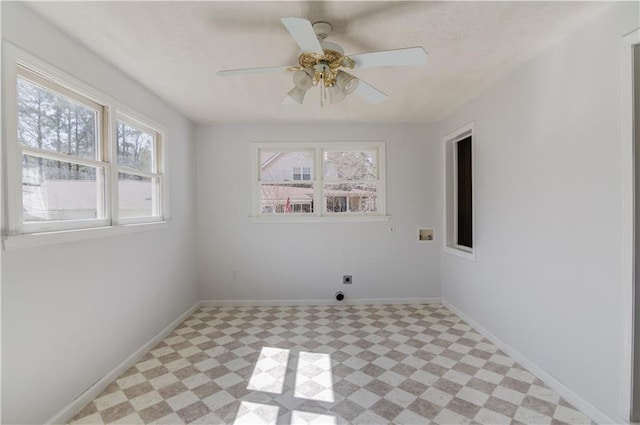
[350, 180]
[319, 180]
[67, 169]
[138, 172]
[278, 193]
[459, 212]
[302, 173]
[61, 149]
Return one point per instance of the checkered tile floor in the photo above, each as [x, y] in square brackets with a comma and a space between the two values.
[400, 364]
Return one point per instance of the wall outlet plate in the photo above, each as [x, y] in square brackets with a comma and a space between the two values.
[426, 235]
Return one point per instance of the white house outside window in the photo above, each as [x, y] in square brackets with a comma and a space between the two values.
[301, 173]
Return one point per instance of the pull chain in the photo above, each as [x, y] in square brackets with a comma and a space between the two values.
[321, 90]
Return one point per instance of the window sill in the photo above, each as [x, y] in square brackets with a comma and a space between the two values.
[471, 256]
[319, 219]
[32, 240]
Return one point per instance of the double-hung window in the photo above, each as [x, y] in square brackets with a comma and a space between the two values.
[62, 155]
[139, 177]
[331, 179]
[75, 158]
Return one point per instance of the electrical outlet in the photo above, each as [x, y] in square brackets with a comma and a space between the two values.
[347, 280]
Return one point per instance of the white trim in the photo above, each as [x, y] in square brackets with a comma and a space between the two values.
[61, 157]
[450, 235]
[627, 221]
[32, 240]
[111, 153]
[37, 227]
[134, 172]
[578, 402]
[31, 75]
[2, 181]
[312, 218]
[70, 410]
[13, 157]
[319, 302]
[459, 253]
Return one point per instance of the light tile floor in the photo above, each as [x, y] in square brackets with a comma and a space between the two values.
[400, 364]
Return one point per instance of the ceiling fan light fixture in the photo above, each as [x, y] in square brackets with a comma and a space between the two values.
[297, 94]
[336, 94]
[303, 79]
[347, 82]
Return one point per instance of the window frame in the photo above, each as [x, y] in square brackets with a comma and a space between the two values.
[317, 181]
[100, 160]
[302, 174]
[346, 181]
[450, 180]
[16, 233]
[157, 170]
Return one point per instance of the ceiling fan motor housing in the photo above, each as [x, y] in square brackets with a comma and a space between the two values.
[322, 29]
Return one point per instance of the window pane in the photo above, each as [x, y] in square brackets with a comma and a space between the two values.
[277, 166]
[136, 196]
[136, 148]
[351, 197]
[58, 190]
[286, 198]
[354, 165]
[50, 121]
[464, 201]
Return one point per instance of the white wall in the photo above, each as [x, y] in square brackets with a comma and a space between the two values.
[306, 261]
[636, 325]
[72, 312]
[547, 280]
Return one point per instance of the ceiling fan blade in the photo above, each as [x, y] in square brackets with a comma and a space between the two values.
[370, 93]
[249, 71]
[398, 57]
[303, 33]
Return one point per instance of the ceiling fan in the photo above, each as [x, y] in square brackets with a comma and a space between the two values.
[322, 63]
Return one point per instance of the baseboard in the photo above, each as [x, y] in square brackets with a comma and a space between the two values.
[581, 404]
[318, 302]
[73, 408]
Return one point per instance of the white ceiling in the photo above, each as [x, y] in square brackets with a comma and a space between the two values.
[176, 48]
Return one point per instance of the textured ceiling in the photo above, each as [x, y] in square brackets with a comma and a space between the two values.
[176, 48]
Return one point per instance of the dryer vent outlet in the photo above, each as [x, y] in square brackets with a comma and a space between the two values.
[339, 296]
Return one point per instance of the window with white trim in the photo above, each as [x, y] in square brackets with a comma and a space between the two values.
[302, 173]
[139, 177]
[77, 160]
[61, 144]
[459, 193]
[328, 179]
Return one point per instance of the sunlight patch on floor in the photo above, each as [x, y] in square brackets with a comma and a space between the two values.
[269, 373]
